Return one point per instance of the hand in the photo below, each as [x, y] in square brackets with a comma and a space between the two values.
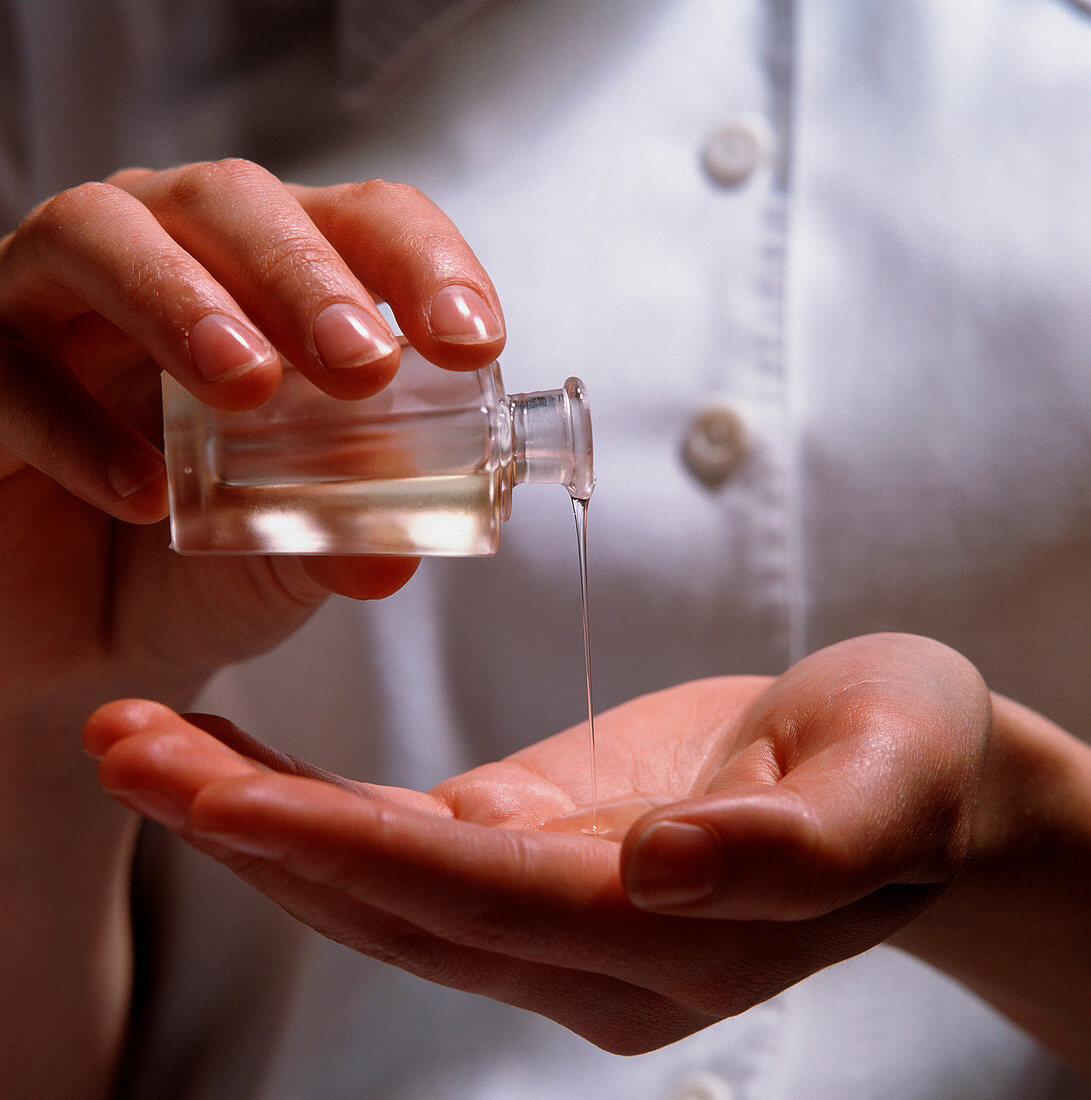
[781, 826]
[206, 271]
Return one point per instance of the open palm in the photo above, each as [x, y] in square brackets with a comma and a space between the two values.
[832, 834]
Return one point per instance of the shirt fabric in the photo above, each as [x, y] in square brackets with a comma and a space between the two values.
[891, 297]
[86, 89]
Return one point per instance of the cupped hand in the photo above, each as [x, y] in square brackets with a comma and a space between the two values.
[211, 272]
[750, 832]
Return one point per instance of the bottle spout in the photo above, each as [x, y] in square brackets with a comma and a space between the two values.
[552, 438]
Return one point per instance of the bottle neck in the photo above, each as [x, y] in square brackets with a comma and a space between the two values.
[551, 438]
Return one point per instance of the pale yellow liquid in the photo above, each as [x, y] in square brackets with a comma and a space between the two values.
[453, 515]
[306, 474]
[609, 820]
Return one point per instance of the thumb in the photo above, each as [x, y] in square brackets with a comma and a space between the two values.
[871, 752]
[757, 853]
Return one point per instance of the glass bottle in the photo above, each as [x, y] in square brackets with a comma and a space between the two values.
[425, 467]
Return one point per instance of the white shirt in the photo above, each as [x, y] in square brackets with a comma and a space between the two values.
[892, 298]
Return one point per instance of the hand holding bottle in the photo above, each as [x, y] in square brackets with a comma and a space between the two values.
[207, 271]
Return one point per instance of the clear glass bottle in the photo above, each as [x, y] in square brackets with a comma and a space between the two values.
[425, 467]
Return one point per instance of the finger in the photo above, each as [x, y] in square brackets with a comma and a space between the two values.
[360, 577]
[138, 743]
[143, 746]
[48, 420]
[252, 234]
[230, 735]
[409, 253]
[546, 899]
[540, 898]
[227, 733]
[96, 248]
[870, 753]
[688, 977]
[748, 855]
[613, 1014]
[141, 743]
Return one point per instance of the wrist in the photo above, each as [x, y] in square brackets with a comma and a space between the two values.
[1012, 924]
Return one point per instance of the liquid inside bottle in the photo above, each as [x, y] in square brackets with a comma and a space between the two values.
[425, 467]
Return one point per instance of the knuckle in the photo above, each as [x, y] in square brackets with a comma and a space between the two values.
[827, 870]
[382, 191]
[189, 185]
[401, 203]
[128, 177]
[54, 219]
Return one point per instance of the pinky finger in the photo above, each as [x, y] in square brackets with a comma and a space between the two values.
[50, 421]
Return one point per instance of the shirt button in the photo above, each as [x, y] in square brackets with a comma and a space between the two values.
[734, 151]
[716, 444]
[702, 1086]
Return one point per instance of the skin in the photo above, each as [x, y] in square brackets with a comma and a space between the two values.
[101, 288]
[874, 792]
[758, 830]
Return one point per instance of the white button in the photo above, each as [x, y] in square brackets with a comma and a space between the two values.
[716, 444]
[734, 151]
[702, 1086]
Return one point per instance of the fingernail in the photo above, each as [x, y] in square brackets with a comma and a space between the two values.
[673, 864]
[157, 805]
[345, 336]
[133, 471]
[460, 315]
[220, 347]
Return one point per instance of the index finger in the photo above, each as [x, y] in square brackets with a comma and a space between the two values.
[407, 251]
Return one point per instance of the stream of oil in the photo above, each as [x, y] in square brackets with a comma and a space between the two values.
[579, 513]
